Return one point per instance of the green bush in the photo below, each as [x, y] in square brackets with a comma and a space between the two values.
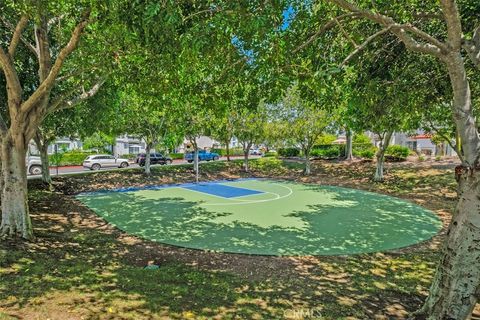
[69, 158]
[268, 164]
[129, 156]
[270, 154]
[326, 139]
[396, 153]
[364, 150]
[327, 151]
[223, 152]
[176, 155]
[367, 154]
[361, 138]
[289, 152]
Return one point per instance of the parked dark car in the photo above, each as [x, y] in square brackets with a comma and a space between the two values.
[155, 158]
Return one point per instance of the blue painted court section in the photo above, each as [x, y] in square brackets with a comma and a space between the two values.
[221, 190]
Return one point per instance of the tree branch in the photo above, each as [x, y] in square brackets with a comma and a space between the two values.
[324, 28]
[43, 49]
[25, 41]
[454, 25]
[22, 23]
[345, 33]
[14, 88]
[432, 45]
[472, 47]
[62, 103]
[48, 83]
[447, 139]
[364, 45]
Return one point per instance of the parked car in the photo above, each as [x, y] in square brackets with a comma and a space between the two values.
[256, 152]
[203, 155]
[97, 161]
[155, 158]
[34, 165]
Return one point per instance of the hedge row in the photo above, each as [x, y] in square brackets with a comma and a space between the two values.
[332, 151]
[396, 153]
[288, 152]
[223, 152]
[70, 158]
[176, 156]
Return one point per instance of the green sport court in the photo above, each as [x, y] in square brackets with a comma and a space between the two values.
[265, 217]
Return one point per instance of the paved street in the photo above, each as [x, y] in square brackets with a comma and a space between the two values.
[79, 169]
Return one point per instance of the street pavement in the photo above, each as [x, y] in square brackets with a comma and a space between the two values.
[79, 169]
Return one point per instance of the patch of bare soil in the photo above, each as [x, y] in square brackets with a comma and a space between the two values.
[386, 285]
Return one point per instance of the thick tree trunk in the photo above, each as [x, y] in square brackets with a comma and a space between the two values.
[42, 147]
[195, 163]
[308, 169]
[227, 147]
[245, 159]
[380, 156]
[378, 177]
[15, 216]
[46, 178]
[456, 284]
[349, 145]
[147, 160]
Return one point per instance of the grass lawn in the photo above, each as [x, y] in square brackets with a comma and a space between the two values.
[80, 267]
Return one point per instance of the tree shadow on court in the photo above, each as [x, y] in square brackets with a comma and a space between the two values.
[80, 266]
[84, 266]
[353, 222]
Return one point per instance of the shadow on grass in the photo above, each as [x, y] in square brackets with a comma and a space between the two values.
[81, 267]
[347, 221]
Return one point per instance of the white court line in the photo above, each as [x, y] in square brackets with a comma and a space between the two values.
[254, 201]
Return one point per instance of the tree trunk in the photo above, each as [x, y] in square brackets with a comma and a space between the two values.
[245, 159]
[195, 162]
[227, 147]
[46, 178]
[42, 147]
[456, 284]
[380, 164]
[148, 172]
[15, 216]
[349, 145]
[308, 169]
[381, 157]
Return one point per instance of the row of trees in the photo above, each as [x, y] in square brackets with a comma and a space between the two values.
[168, 70]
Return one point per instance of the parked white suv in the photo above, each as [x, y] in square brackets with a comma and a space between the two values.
[97, 161]
[34, 165]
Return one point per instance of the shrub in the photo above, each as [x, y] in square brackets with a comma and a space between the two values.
[69, 158]
[396, 153]
[223, 152]
[367, 154]
[268, 164]
[328, 151]
[289, 152]
[361, 139]
[326, 139]
[270, 154]
[364, 150]
[176, 155]
[129, 156]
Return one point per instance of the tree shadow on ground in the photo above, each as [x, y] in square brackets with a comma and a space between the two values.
[81, 267]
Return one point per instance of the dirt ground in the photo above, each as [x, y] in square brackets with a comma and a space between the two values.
[80, 267]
